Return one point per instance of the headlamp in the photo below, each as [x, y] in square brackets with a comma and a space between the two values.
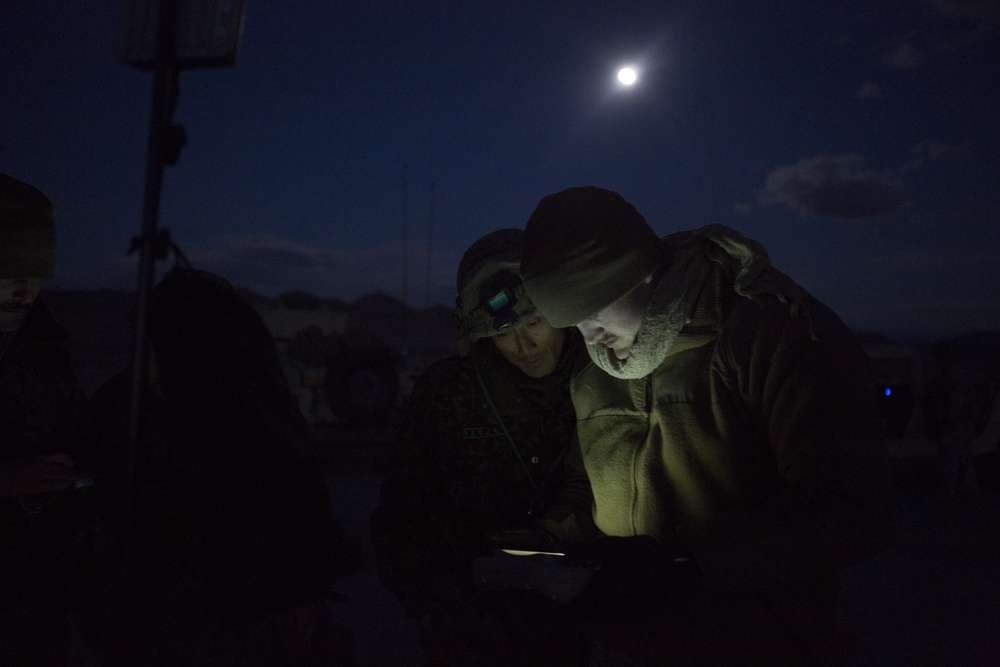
[500, 303]
[501, 307]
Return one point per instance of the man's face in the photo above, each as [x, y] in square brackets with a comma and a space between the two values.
[616, 326]
[532, 345]
[16, 296]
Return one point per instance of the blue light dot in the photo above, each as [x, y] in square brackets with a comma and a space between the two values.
[888, 391]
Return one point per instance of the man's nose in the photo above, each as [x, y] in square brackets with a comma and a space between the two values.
[591, 334]
[524, 341]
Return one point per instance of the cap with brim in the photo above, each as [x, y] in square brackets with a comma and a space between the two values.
[499, 301]
[491, 297]
[585, 248]
[27, 232]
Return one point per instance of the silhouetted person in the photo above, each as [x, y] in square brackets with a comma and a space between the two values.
[48, 520]
[729, 431]
[234, 547]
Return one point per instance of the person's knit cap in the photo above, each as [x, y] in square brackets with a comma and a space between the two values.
[490, 294]
[27, 231]
[585, 248]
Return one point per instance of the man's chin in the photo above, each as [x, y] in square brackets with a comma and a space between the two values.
[537, 369]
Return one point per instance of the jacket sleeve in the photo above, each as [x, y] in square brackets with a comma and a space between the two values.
[412, 559]
[803, 382]
[56, 418]
[570, 517]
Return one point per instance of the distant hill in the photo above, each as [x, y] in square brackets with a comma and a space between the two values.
[101, 336]
[980, 350]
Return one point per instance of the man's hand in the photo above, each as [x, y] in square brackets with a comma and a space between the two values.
[633, 573]
[37, 475]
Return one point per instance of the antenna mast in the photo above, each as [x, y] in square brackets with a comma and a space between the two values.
[406, 236]
[430, 236]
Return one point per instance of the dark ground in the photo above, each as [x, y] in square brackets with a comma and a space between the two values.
[931, 598]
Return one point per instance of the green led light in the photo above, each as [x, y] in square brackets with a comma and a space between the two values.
[498, 301]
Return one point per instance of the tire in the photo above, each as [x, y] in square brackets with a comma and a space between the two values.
[362, 388]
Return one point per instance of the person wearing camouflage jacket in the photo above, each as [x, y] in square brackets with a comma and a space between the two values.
[487, 448]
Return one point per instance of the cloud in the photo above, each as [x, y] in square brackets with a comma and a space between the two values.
[272, 265]
[904, 56]
[939, 150]
[834, 187]
[968, 24]
[930, 260]
[929, 151]
[870, 91]
[288, 257]
[267, 250]
[982, 9]
[977, 20]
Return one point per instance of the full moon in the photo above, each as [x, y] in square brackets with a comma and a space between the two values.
[627, 76]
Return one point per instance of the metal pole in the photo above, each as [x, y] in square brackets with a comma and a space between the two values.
[430, 236]
[161, 110]
[406, 237]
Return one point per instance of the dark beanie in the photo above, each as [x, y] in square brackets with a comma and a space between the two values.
[585, 248]
[27, 231]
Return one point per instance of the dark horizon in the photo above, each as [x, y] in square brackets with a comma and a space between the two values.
[292, 297]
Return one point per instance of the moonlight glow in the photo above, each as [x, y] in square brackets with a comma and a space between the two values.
[627, 76]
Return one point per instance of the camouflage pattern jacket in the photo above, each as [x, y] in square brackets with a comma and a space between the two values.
[454, 476]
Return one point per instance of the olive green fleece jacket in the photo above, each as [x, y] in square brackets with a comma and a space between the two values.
[755, 443]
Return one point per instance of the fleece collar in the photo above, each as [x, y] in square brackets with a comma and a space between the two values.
[689, 257]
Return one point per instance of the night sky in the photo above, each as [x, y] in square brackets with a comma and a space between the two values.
[859, 141]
